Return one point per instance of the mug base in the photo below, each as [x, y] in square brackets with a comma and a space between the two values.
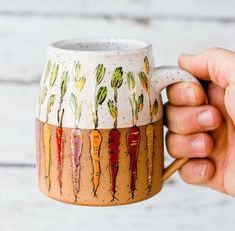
[99, 204]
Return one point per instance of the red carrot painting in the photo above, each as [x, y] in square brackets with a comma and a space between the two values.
[133, 134]
[60, 135]
[114, 134]
[95, 135]
[153, 108]
[76, 133]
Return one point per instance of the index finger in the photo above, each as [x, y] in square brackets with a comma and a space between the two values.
[186, 94]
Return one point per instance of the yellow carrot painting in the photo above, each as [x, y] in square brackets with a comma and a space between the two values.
[153, 109]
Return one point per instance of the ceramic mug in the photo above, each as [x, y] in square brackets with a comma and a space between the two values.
[100, 122]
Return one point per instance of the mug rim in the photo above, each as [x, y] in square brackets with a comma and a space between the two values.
[131, 46]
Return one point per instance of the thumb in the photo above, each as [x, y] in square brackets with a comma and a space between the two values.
[229, 101]
[215, 65]
[218, 66]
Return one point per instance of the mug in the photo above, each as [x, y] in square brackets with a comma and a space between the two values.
[99, 123]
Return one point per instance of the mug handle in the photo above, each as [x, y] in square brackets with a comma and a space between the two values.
[163, 77]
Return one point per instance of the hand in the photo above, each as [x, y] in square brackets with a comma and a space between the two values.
[205, 133]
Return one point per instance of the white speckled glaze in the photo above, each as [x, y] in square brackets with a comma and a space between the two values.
[112, 53]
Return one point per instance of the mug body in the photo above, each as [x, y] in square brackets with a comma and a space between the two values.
[99, 123]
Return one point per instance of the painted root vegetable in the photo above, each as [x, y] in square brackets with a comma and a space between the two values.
[133, 134]
[114, 134]
[42, 96]
[153, 108]
[60, 135]
[76, 134]
[95, 136]
[47, 141]
[46, 128]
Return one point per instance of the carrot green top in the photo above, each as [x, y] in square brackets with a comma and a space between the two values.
[136, 103]
[116, 82]
[43, 94]
[54, 74]
[100, 94]
[145, 82]
[63, 89]
[44, 89]
[99, 74]
[64, 83]
[50, 104]
[47, 72]
[75, 101]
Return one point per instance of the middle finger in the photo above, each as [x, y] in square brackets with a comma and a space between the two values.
[189, 119]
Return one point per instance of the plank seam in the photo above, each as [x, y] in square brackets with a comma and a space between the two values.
[138, 19]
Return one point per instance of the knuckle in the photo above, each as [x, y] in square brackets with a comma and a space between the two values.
[214, 50]
[182, 124]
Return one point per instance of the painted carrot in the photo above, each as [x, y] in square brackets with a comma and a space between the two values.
[46, 127]
[42, 96]
[60, 135]
[114, 134]
[46, 140]
[133, 140]
[95, 141]
[38, 130]
[60, 140]
[76, 134]
[114, 142]
[133, 134]
[144, 79]
[95, 136]
[76, 147]
[38, 151]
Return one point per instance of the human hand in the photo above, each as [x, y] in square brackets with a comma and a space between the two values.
[205, 133]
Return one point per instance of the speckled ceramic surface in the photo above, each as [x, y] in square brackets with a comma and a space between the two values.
[99, 121]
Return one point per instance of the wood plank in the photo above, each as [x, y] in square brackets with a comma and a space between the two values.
[24, 40]
[177, 207]
[17, 145]
[194, 9]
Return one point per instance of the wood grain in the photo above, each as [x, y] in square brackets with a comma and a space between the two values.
[213, 9]
[26, 28]
[24, 41]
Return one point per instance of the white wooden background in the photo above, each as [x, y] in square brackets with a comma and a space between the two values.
[26, 27]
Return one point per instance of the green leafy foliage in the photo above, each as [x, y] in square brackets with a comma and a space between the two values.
[54, 74]
[101, 95]
[113, 110]
[99, 73]
[117, 78]
[140, 102]
[144, 81]
[155, 107]
[64, 83]
[130, 81]
[50, 103]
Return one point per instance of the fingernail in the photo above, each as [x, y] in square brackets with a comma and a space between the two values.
[206, 119]
[198, 144]
[189, 95]
[184, 55]
[202, 170]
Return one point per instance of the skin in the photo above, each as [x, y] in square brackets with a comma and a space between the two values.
[205, 133]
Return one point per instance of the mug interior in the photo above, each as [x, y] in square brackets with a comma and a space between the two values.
[101, 45]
